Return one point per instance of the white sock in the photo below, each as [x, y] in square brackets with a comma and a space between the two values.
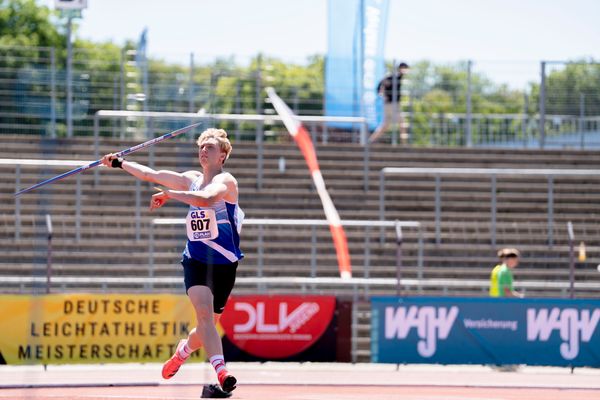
[185, 351]
[218, 362]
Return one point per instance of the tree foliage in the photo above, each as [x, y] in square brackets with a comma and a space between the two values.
[106, 76]
[24, 23]
[569, 86]
[443, 88]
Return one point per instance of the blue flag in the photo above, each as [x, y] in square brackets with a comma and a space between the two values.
[140, 54]
[355, 64]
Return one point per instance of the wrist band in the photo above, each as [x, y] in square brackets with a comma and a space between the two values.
[117, 162]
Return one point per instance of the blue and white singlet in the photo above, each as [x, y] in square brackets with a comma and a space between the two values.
[214, 232]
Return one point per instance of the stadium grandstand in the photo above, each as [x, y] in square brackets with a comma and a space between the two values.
[481, 168]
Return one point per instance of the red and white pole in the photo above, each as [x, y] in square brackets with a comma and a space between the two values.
[304, 142]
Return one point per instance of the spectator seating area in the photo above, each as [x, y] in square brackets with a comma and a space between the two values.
[110, 246]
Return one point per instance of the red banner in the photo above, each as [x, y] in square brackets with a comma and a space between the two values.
[276, 327]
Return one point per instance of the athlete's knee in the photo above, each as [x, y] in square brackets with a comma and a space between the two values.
[204, 313]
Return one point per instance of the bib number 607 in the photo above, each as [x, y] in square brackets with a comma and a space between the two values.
[200, 224]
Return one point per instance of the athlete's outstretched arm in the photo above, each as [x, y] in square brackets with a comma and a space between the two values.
[223, 187]
[171, 179]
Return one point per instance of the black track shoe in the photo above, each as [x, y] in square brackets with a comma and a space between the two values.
[213, 391]
[228, 383]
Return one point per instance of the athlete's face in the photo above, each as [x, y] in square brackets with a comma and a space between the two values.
[512, 262]
[210, 153]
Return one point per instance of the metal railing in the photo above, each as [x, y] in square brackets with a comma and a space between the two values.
[313, 223]
[306, 285]
[493, 173]
[505, 130]
[41, 97]
[19, 164]
[149, 129]
[312, 124]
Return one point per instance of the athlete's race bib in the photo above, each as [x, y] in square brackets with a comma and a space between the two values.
[202, 225]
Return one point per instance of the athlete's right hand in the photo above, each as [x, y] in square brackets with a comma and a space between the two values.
[109, 161]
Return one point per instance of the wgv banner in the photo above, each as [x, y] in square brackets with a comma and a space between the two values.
[355, 64]
[486, 331]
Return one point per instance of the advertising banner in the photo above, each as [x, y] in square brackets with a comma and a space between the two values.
[112, 328]
[92, 328]
[279, 328]
[354, 65]
[557, 332]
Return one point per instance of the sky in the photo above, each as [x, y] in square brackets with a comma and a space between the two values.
[506, 39]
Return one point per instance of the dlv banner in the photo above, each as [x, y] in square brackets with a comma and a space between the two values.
[355, 64]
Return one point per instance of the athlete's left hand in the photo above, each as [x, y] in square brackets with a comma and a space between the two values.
[158, 200]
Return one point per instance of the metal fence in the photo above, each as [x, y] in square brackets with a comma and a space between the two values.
[507, 130]
[16, 166]
[443, 104]
[493, 174]
[78, 218]
[313, 223]
[260, 127]
[305, 285]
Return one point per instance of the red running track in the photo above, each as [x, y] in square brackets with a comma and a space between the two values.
[301, 392]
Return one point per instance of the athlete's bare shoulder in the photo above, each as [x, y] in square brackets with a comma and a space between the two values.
[225, 177]
[230, 182]
[191, 176]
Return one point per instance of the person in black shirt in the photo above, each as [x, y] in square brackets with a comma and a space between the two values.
[390, 88]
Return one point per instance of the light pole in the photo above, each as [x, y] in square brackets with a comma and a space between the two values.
[69, 78]
[70, 9]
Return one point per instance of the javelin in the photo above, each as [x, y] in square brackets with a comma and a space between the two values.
[121, 153]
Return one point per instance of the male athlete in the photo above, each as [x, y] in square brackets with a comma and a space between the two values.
[212, 251]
